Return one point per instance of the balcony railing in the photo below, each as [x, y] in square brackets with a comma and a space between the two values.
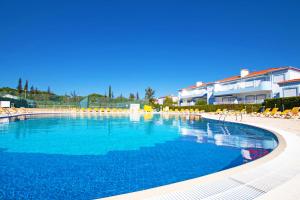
[240, 102]
[192, 93]
[243, 88]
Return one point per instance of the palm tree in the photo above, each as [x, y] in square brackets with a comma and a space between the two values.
[149, 93]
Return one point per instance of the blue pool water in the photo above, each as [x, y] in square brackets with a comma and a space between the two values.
[94, 156]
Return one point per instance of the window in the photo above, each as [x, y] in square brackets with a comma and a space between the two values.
[228, 99]
[260, 98]
[290, 92]
[250, 99]
[278, 78]
[225, 99]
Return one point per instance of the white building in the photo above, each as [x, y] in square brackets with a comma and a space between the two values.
[189, 96]
[161, 100]
[248, 87]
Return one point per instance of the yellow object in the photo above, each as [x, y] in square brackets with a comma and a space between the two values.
[267, 111]
[294, 112]
[273, 112]
[283, 113]
[148, 116]
[148, 108]
[218, 111]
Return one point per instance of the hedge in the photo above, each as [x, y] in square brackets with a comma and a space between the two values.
[282, 103]
[213, 108]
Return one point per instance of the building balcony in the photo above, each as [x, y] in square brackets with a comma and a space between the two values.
[192, 94]
[242, 101]
[241, 88]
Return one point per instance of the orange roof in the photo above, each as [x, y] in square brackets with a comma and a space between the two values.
[193, 87]
[257, 73]
[290, 81]
[252, 74]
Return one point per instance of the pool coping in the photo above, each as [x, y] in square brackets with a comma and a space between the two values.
[181, 186]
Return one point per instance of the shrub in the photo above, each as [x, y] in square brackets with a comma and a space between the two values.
[282, 103]
[168, 101]
[200, 103]
[213, 108]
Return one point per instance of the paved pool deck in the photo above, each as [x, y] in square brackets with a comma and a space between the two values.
[274, 176]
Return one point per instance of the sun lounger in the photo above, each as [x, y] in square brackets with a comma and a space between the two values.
[294, 113]
[271, 113]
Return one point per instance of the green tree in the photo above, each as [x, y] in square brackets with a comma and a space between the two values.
[131, 97]
[149, 95]
[48, 90]
[26, 86]
[200, 102]
[74, 96]
[109, 92]
[19, 87]
[168, 101]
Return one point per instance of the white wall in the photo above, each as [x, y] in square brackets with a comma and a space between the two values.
[292, 74]
[5, 104]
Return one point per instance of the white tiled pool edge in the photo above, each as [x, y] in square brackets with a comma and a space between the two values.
[266, 178]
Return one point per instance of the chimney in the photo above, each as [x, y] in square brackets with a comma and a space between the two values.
[199, 83]
[244, 72]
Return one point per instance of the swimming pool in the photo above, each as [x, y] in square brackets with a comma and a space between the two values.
[92, 156]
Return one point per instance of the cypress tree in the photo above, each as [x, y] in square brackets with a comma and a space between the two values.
[19, 87]
[26, 86]
[109, 92]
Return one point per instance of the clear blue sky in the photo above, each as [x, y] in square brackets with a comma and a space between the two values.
[88, 45]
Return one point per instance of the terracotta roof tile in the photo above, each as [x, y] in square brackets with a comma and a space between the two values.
[257, 73]
[251, 74]
[290, 81]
